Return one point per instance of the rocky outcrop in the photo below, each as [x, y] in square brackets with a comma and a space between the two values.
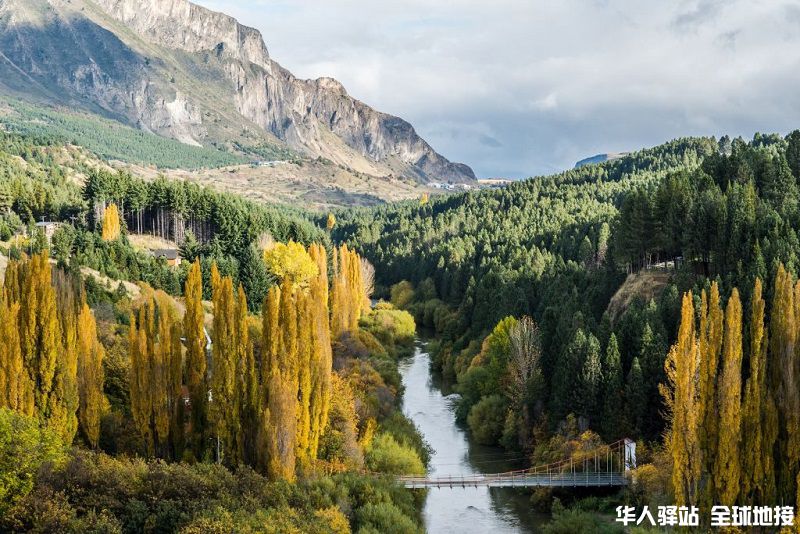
[184, 71]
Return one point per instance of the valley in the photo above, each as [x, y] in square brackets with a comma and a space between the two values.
[238, 300]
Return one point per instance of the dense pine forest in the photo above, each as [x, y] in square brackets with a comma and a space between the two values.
[555, 302]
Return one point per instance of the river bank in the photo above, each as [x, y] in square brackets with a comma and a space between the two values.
[462, 510]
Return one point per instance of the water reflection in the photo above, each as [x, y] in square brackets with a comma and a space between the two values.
[461, 510]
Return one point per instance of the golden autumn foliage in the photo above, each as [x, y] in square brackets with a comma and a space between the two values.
[710, 346]
[348, 294]
[262, 398]
[196, 363]
[290, 261]
[156, 375]
[224, 385]
[111, 223]
[50, 358]
[90, 376]
[727, 469]
[681, 400]
[296, 351]
[751, 452]
[757, 458]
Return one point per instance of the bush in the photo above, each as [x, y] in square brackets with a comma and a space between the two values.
[386, 455]
[487, 419]
[402, 294]
[394, 329]
[406, 432]
[24, 450]
[574, 521]
[384, 518]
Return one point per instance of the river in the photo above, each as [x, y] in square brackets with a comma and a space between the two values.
[461, 510]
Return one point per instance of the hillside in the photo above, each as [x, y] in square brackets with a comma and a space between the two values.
[175, 69]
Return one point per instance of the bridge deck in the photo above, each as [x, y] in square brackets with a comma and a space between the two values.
[521, 480]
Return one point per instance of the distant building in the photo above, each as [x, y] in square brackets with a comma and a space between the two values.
[49, 228]
[493, 182]
[173, 256]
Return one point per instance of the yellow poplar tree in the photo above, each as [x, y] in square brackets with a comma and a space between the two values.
[322, 357]
[194, 332]
[156, 373]
[248, 382]
[347, 292]
[728, 467]
[710, 337]
[304, 358]
[140, 387]
[16, 387]
[756, 457]
[783, 341]
[111, 225]
[64, 402]
[283, 390]
[269, 377]
[681, 401]
[42, 344]
[90, 376]
[225, 393]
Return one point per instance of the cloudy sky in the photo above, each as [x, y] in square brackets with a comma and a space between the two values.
[523, 87]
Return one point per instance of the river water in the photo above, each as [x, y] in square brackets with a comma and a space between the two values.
[461, 510]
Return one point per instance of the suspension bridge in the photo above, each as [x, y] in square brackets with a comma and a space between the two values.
[606, 466]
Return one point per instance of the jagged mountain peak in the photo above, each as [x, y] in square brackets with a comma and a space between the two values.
[183, 71]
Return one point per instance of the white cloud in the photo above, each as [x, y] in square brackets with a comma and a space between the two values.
[527, 87]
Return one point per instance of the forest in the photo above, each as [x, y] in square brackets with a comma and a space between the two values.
[109, 139]
[187, 399]
[650, 297]
[654, 296]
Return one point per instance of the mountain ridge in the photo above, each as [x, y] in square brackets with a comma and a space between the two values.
[182, 71]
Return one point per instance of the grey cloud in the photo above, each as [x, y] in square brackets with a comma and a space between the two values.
[525, 87]
[700, 13]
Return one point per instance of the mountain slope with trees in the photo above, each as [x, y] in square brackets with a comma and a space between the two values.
[116, 413]
[557, 248]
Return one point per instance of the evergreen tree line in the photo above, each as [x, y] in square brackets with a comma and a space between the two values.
[732, 397]
[173, 209]
[558, 248]
[734, 216]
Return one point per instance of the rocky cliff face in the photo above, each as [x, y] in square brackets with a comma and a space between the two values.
[183, 71]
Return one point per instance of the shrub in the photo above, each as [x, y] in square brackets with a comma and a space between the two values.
[386, 455]
[402, 294]
[394, 329]
[487, 419]
[24, 449]
[384, 518]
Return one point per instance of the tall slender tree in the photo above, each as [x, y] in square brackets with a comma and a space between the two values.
[757, 455]
[782, 355]
[681, 400]
[90, 376]
[196, 358]
[727, 472]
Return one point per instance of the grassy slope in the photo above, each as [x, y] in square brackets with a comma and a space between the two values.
[109, 139]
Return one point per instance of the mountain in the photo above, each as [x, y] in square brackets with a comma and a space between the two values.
[182, 71]
[600, 158]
